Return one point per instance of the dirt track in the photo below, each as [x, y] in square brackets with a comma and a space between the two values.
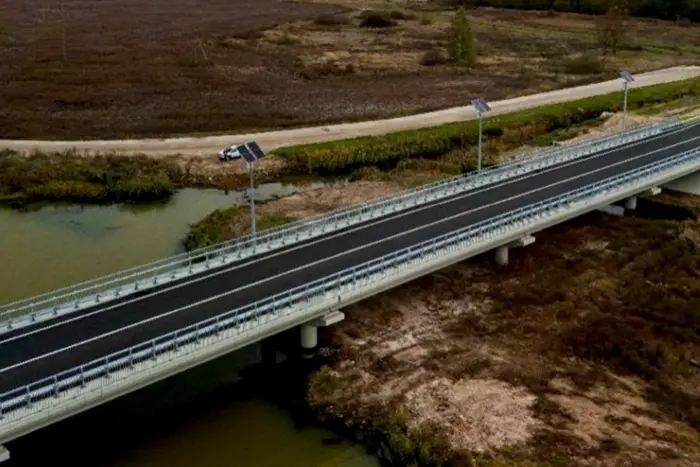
[206, 146]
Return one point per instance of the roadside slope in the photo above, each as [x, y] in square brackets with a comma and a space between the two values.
[199, 146]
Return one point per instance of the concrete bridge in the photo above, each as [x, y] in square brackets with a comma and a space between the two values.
[76, 348]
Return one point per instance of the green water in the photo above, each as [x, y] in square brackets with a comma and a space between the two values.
[59, 245]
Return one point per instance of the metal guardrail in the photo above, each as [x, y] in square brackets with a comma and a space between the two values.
[40, 395]
[107, 288]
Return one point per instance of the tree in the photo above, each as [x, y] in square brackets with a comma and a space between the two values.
[612, 27]
[460, 42]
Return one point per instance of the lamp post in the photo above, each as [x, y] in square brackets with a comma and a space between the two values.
[251, 152]
[481, 108]
[627, 79]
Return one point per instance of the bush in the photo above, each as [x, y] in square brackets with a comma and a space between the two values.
[433, 58]
[68, 176]
[226, 224]
[374, 19]
[584, 65]
[401, 15]
[345, 156]
[332, 20]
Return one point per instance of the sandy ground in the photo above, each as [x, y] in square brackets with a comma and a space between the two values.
[322, 200]
[209, 146]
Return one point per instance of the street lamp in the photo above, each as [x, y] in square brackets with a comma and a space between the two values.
[481, 108]
[627, 78]
[251, 152]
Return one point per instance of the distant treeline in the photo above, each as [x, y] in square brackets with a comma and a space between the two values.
[675, 10]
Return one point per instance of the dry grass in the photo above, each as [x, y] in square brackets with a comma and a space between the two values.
[558, 359]
[135, 69]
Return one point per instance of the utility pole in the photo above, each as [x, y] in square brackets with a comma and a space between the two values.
[627, 79]
[251, 152]
[481, 108]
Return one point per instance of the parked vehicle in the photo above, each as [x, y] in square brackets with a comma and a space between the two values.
[230, 154]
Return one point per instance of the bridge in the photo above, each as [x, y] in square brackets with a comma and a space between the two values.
[76, 348]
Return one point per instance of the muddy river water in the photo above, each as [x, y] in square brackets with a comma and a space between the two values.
[55, 246]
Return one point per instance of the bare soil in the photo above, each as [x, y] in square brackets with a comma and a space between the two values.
[72, 70]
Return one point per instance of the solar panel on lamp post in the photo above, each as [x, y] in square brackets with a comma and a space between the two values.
[481, 108]
[627, 78]
[251, 152]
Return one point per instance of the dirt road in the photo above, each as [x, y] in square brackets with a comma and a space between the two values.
[209, 145]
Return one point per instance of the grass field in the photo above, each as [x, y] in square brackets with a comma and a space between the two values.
[127, 68]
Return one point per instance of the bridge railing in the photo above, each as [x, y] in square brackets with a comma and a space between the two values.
[97, 375]
[182, 266]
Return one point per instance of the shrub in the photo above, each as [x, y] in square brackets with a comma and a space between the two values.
[331, 20]
[374, 19]
[401, 15]
[433, 58]
[460, 41]
[584, 65]
[68, 176]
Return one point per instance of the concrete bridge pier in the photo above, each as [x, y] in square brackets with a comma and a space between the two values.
[309, 340]
[502, 255]
[309, 331]
[502, 251]
[630, 204]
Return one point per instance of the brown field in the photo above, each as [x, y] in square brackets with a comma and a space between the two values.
[132, 68]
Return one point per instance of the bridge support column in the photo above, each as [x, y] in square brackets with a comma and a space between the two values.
[631, 203]
[309, 340]
[502, 255]
[309, 331]
[502, 251]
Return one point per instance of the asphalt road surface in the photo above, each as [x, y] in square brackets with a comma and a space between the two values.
[33, 353]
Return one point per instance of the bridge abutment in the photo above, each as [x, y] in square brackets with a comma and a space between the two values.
[4, 454]
[631, 203]
[309, 332]
[502, 251]
[690, 184]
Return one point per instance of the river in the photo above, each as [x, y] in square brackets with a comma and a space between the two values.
[58, 245]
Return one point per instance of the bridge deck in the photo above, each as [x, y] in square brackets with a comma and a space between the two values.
[36, 352]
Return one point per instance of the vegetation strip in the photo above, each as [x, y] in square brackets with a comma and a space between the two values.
[387, 151]
[68, 176]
